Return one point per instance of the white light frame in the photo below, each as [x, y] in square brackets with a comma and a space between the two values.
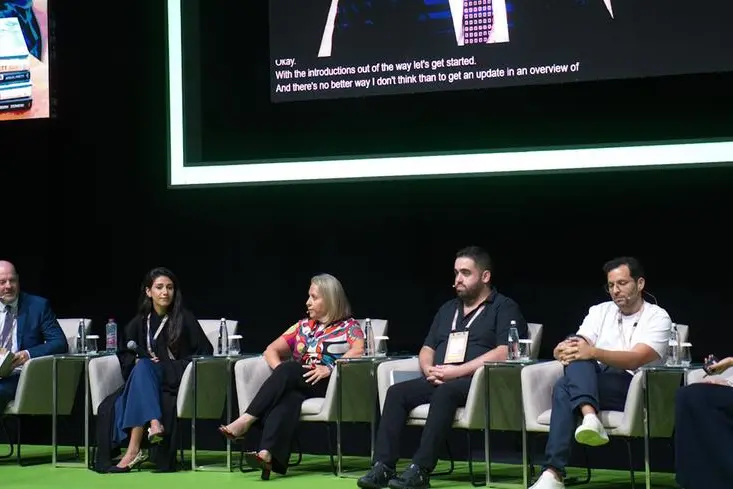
[407, 166]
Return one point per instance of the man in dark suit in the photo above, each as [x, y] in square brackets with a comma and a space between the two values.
[28, 327]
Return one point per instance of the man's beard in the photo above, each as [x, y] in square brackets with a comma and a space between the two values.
[468, 295]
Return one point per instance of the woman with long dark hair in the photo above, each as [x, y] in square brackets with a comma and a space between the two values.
[146, 406]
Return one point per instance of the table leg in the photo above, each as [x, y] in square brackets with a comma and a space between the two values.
[339, 414]
[86, 411]
[54, 413]
[487, 425]
[193, 414]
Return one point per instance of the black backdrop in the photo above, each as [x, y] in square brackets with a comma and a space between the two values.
[87, 213]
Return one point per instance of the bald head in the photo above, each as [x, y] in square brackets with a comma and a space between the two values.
[9, 288]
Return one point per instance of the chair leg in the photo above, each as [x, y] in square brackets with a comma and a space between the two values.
[296, 442]
[334, 469]
[574, 481]
[4, 427]
[450, 459]
[474, 482]
[631, 462]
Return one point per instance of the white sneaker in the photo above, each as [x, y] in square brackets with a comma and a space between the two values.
[591, 432]
[547, 481]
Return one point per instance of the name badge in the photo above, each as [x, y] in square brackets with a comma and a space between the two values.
[455, 352]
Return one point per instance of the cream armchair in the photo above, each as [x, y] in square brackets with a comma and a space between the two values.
[70, 328]
[470, 417]
[105, 377]
[539, 380]
[36, 381]
[251, 373]
[33, 395]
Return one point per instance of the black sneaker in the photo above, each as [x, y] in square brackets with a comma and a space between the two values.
[415, 477]
[377, 477]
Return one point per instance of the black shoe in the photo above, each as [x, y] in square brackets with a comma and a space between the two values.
[415, 477]
[377, 477]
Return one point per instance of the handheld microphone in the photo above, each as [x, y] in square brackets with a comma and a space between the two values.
[139, 351]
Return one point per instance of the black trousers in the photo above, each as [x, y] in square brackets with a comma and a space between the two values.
[584, 382]
[277, 406]
[703, 437]
[406, 396]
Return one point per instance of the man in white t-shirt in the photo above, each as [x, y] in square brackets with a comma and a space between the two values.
[616, 338]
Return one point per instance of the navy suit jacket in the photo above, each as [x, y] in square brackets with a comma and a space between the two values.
[38, 331]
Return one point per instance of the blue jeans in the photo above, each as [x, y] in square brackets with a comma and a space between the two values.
[584, 382]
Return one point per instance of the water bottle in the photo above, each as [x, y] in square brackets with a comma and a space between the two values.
[111, 335]
[513, 342]
[369, 350]
[673, 351]
[223, 346]
[81, 337]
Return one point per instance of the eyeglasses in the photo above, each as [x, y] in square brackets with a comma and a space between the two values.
[621, 284]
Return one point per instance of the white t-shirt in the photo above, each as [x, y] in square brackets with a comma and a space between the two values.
[605, 327]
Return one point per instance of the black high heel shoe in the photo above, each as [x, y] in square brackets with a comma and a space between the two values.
[256, 462]
[136, 463]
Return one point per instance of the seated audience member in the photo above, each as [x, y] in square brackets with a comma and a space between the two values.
[466, 332]
[28, 328]
[616, 338]
[704, 431]
[170, 335]
[314, 343]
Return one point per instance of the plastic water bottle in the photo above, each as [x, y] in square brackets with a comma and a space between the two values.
[673, 350]
[111, 335]
[369, 350]
[223, 342]
[81, 337]
[513, 342]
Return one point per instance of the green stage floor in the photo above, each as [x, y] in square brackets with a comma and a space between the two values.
[314, 471]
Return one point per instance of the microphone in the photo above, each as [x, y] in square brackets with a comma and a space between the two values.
[139, 351]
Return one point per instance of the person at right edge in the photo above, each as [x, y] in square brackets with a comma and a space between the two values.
[616, 338]
[466, 332]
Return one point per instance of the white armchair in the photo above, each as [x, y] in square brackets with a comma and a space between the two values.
[211, 329]
[105, 377]
[36, 381]
[70, 328]
[472, 415]
[539, 380]
[380, 329]
[33, 395]
[251, 373]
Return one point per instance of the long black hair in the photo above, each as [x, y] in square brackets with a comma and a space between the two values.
[175, 310]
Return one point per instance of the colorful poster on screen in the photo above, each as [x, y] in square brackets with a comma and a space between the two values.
[24, 60]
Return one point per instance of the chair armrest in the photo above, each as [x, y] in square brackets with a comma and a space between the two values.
[105, 377]
[384, 375]
[35, 387]
[538, 381]
[695, 376]
[474, 414]
[249, 375]
[662, 387]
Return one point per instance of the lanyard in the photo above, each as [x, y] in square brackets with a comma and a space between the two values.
[157, 333]
[627, 344]
[470, 321]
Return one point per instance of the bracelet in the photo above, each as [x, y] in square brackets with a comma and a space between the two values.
[729, 382]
